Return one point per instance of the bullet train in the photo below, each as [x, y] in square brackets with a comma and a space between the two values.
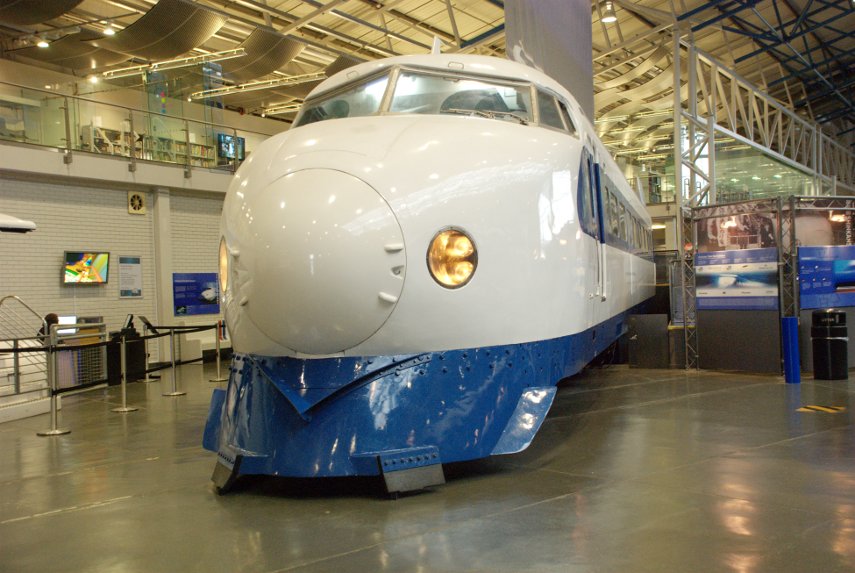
[410, 269]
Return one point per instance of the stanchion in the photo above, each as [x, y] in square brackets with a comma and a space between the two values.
[148, 377]
[51, 369]
[219, 377]
[124, 359]
[175, 391]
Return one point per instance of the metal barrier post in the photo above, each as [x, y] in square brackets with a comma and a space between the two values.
[219, 377]
[52, 385]
[124, 360]
[16, 367]
[148, 377]
[175, 391]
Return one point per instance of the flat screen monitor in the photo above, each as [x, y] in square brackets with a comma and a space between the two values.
[86, 267]
[129, 322]
[231, 147]
[67, 319]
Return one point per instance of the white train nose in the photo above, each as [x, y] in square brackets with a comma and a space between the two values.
[330, 264]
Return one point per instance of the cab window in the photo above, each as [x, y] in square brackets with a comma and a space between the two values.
[548, 109]
[418, 92]
[565, 113]
[361, 99]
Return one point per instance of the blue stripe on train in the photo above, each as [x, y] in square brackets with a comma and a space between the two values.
[316, 418]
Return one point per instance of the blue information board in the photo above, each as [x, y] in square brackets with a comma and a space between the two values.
[195, 293]
[827, 276]
[740, 279]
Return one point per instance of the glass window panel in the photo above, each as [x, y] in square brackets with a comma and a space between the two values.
[360, 100]
[432, 94]
[548, 108]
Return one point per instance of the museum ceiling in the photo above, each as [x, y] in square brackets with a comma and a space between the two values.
[799, 51]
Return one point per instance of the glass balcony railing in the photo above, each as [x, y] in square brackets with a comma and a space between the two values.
[45, 118]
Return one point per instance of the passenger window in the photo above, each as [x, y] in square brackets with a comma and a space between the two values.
[567, 118]
[548, 111]
[613, 215]
[622, 222]
[585, 197]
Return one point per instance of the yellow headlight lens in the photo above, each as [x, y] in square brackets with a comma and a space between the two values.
[224, 266]
[452, 258]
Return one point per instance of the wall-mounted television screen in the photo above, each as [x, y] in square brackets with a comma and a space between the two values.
[86, 267]
[231, 147]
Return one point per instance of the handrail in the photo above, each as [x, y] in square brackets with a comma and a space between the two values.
[121, 131]
[59, 95]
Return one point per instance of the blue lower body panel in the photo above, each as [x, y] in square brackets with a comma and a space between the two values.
[371, 415]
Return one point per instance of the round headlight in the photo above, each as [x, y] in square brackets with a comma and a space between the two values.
[224, 266]
[452, 258]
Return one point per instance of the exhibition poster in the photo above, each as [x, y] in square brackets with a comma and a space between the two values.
[739, 279]
[195, 293]
[130, 277]
[827, 276]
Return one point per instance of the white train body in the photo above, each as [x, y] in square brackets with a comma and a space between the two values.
[409, 271]
[310, 290]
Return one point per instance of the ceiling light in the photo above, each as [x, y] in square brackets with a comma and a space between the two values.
[282, 108]
[42, 43]
[260, 85]
[609, 15]
[93, 79]
[657, 226]
[109, 30]
[174, 64]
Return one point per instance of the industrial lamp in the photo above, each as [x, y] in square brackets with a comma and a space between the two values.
[609, 15]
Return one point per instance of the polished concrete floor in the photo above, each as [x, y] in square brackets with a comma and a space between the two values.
[633, 471]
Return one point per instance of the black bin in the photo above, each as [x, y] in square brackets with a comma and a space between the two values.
[830, 341]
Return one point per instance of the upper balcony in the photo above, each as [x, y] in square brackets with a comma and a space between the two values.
[55, 134]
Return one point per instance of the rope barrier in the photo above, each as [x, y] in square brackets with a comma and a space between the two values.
[54, 347]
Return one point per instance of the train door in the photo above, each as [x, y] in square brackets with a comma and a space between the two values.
[597, 190]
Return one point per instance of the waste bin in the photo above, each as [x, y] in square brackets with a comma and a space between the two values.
[830, 341]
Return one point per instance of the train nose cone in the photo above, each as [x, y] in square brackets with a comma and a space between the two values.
[331, 261]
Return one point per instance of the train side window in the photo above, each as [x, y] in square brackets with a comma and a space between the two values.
[568, 119]
[622, 222]
[585, 197]
[548, 110]
[613, 215]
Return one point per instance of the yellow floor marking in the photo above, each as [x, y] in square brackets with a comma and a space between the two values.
[826, 409]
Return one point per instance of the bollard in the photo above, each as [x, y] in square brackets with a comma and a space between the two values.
[16, 367]
[52, 385]
[790, 335]
[175, 391]
[148, 377]
[124, 360]
[219, 377]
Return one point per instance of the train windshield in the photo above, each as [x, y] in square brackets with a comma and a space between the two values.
[447, 94]
[360, 100]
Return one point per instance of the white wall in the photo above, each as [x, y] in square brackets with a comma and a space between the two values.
[195, 234]
[73, 216]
